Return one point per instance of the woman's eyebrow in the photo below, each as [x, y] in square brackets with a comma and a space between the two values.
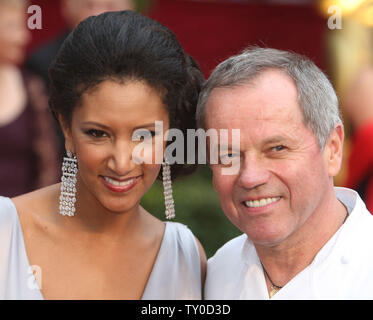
[97, 124]
[92, 123]
[147, 125]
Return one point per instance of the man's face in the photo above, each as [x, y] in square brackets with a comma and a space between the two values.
[283, 178]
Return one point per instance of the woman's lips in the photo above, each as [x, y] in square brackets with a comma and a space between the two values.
[119, 186]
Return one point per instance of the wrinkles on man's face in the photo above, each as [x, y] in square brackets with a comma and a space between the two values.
[279, 157]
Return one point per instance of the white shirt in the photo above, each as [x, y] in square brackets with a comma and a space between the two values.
[176, 273]
[342, 269]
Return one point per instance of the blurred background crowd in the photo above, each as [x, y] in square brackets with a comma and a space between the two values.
[31, 145]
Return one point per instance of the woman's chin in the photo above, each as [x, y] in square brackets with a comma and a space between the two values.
[119, 207]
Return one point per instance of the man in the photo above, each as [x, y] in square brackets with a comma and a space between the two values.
[303, 238]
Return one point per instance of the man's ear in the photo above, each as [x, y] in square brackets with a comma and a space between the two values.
[66, 130]
[333, 150]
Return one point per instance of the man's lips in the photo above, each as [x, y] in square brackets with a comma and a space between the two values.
[260, 201]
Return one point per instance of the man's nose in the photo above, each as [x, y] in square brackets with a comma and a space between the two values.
[253, 172]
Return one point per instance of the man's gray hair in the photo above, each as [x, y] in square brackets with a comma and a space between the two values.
[316, 96]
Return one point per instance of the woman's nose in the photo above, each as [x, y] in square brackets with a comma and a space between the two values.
[120, 161]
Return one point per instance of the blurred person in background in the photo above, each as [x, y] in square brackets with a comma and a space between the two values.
[73, 11]
[27, 156]
[358, 109]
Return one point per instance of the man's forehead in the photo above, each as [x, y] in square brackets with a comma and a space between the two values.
[270, 77]
[268, 99]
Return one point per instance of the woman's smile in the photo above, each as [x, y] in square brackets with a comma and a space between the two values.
[101, 136]
[120, 186]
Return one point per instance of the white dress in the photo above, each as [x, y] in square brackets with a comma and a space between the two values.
[176, 273]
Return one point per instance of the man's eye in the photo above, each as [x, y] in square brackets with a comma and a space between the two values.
[96, 133]
[278, 148]
[229, 155]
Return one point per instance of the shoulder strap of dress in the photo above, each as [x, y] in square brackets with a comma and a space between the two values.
[177, 270]
[184, 239]
[8, 215]
[15, 270]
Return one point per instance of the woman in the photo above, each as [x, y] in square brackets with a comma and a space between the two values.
[115, 75]
[27, 136]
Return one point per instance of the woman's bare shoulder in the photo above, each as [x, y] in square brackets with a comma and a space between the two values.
[37, 203]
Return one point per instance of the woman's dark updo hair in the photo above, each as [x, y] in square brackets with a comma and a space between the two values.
[123, 46]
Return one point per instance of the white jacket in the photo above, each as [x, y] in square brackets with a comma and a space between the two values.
[342, 269]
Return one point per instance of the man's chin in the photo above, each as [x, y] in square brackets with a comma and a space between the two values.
[267, 238]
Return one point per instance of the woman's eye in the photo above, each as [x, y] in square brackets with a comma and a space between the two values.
[96, 133]
[143, 135]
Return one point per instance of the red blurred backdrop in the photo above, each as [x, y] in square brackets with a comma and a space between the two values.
[52, 22]
[213, 30]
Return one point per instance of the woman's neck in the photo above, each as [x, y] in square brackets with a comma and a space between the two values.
[92, 217]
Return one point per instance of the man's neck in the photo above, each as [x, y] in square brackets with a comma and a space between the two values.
[284, 260]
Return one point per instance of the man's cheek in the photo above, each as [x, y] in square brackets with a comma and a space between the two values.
[216, 177]
[222, 185]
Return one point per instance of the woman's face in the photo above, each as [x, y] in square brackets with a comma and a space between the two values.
[100, 135]
[14, 34]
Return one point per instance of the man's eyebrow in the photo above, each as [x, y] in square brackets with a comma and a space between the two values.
[275, 139]
[219, 147]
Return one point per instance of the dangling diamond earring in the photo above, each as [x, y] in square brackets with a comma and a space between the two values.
[167, 191]
[68, 185]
